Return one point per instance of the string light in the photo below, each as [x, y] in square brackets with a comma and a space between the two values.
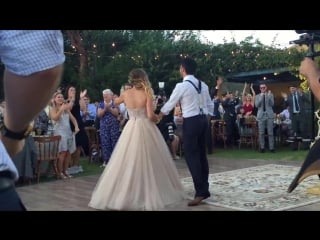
[252, 54]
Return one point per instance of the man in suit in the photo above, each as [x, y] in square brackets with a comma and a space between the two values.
[229, 103]
[196, 103]
[264, 102]
[296, 101]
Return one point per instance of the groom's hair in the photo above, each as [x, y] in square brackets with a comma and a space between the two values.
[189, 65]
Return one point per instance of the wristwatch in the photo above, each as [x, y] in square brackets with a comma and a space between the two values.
[15, 135]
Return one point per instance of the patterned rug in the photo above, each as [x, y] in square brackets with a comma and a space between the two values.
[261, 188]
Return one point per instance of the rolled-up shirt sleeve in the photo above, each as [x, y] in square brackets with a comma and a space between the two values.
[173, 100]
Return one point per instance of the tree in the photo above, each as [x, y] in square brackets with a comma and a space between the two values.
[99, 59]
[76, 39]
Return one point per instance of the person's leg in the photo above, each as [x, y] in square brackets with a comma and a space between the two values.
[10, 200]
[82, 143]
[204, 161]
[66, 164]
[304, 133]
[174, 147]
[229, 131]
[107, 147]
[62, 159]
[75, 156]
[209, 136]
[261, 127]
[192, 150]
[294, 145]
[270, 125]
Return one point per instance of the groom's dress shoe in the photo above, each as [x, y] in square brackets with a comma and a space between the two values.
[196, 201]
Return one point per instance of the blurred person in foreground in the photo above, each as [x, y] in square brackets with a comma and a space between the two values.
[33, 67]
[311, 71]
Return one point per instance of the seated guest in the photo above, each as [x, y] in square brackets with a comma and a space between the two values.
[89, 112]
[286, 126]
[241, 120]
[41, 123]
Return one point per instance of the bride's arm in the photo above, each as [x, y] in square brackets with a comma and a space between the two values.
[153, 117]
[119, 100]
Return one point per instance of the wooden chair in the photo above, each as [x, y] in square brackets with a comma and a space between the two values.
[47, 149]
[219, 131]
[94, 142]
[248, 133]
[214, 131]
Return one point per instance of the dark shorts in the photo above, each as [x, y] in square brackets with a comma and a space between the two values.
[9, 198]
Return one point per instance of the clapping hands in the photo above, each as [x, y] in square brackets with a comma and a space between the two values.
[83, 93]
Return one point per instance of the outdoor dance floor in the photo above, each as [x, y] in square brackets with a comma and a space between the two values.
[235, 185]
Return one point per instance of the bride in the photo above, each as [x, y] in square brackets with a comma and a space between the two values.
[140, 174]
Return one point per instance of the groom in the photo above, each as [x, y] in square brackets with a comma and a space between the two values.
[194, 97]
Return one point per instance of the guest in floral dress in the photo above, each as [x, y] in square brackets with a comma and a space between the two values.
[109, 125]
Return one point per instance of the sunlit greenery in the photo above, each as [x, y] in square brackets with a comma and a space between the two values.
[99, 59]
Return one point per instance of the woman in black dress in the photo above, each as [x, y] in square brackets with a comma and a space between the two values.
[82, 140]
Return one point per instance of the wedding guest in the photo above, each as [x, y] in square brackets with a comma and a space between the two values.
[229, 103]
[41, 123]
[248, 100]
[296, 101]
[264, 102]
[88, 112]
[60, 113]
[108, 113]
[76, 102]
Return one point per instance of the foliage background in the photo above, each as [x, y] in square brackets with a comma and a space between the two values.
[99, 59]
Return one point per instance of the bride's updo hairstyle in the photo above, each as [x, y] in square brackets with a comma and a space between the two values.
[140, 80]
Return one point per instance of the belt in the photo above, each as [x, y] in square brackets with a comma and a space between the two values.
[6, 174]
[6, 180]
[296, 113]
[195, 116]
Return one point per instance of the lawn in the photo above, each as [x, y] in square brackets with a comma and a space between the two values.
[89, 168]
[283, 153]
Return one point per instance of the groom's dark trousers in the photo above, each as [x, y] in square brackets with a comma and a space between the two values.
[194, 146]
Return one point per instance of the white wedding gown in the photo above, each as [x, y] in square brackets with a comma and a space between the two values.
[140, 174]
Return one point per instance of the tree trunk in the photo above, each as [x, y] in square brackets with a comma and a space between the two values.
[76, 41]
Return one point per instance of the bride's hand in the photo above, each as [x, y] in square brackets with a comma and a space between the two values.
[158, 119]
